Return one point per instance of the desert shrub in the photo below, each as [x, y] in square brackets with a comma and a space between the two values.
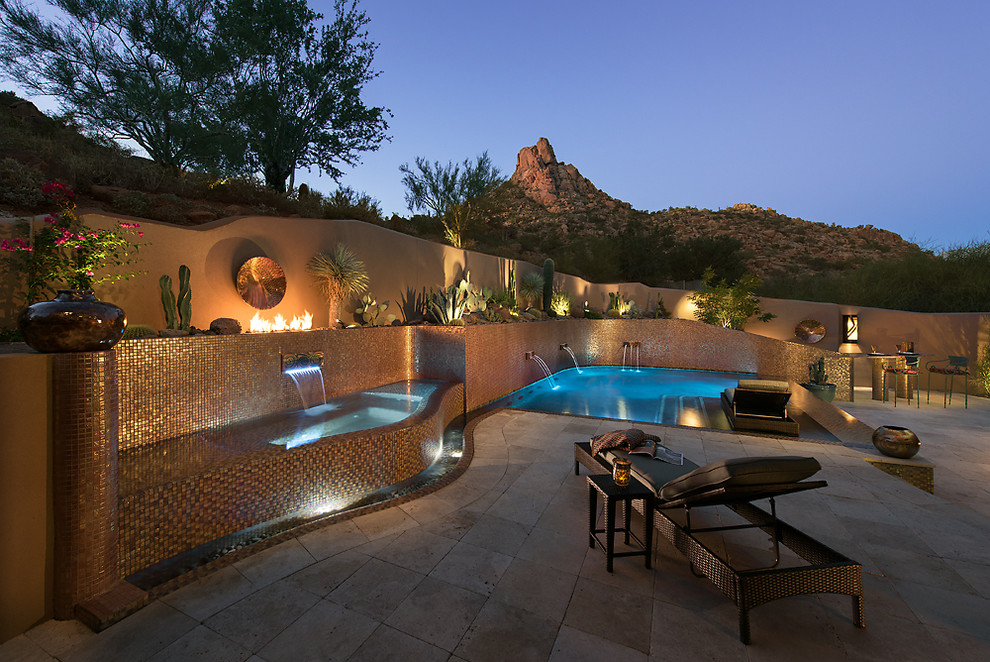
[134, 203]
[531, 288]
[346, 203]
[982, 374]
[728, 305]
[21, 185]
[560, 303]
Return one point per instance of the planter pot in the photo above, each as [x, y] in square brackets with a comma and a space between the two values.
[74, 321]
[895, 441]
[824, 391]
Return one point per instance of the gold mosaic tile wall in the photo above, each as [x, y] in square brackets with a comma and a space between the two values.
[85, 477]
[170, 518]
[173, 386]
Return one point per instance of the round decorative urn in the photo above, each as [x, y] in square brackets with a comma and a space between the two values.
[74, 321]
[895, 441]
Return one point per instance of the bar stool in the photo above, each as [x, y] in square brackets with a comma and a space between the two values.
[954, 365]
[910, 369]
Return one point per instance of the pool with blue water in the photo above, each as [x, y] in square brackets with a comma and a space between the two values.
[649, 395]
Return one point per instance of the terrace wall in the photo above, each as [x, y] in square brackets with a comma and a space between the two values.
[402, 269]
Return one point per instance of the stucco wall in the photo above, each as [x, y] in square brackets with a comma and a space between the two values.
[25, 493]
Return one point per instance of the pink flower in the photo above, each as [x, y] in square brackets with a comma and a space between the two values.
[49, 219]
[140, 234]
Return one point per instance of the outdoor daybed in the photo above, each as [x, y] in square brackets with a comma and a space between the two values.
[759, 405]
[735, 484]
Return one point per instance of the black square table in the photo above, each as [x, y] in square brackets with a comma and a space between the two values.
[604, 485]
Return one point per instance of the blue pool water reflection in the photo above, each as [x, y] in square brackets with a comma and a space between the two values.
[651, 395]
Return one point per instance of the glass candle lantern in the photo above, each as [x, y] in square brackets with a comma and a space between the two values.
[621, 472]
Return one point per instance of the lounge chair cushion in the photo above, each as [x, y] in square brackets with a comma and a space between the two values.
[763, 385]
[740, 472]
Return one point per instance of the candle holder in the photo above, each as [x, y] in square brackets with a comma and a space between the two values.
[621, 472]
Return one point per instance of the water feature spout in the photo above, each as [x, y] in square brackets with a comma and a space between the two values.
[570, 351]
[543, 366]
[306, 371]
[632, 347]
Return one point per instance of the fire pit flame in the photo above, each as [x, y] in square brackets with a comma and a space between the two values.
[298, 323]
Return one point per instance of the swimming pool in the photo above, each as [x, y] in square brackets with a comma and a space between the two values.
[650, 395]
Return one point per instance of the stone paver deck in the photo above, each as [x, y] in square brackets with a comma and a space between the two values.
[496, 567]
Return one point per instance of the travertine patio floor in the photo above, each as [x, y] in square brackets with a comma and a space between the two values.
[496, 567]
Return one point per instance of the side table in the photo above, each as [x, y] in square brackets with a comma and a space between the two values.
[604, 485]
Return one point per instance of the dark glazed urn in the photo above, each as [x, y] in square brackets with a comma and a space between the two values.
[895, 441]
[74, 321]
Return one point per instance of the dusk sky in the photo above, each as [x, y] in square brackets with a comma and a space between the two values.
[854, 113]
[851, 113]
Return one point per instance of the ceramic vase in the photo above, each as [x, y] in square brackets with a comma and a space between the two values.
[74, 321]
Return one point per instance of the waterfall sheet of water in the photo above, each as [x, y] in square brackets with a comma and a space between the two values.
[546, 370]
[573, 358]
[633, 354]
[309, 383]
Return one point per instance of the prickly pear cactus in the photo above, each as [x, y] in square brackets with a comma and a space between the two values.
[372, 313]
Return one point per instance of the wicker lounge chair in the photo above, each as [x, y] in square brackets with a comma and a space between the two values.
[759, 405]
[735, 484]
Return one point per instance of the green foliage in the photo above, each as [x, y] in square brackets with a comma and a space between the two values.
[531, 287]
[619, 303]
[446, 305]
[134, 203]
[592, 314]
[492, 315]
[11, 334]
[449, 192]
[954, 280]
[346, 203]
[133, 68]
[725, 305]
[21, 185]
[178, 312]
[548, 286]
[982, 373]
[560, 303]
[661, 312]
[295, 97]
[512, 286]
[66, 252]
[136, 331]
[168, 302]
[339, 273]
[372, 313]
[691, 259]
[816, 372]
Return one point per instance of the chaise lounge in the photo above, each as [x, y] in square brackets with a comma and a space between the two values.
[759, 405]
[736, 484]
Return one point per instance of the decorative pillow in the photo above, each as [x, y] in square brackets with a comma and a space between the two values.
[617, 439]
[741, 471]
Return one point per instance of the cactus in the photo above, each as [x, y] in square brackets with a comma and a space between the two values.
[512, 286]
[168, 302]
[447, 304]
[475, 299]
[816, 372]
[548, 287]
[135, 331]
[184, 303]
[181, 317]
[372, 313]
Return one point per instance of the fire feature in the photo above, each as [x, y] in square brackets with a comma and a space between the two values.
[298, 323]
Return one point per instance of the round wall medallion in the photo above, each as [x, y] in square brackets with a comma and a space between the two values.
[809, 331]
[261, 282]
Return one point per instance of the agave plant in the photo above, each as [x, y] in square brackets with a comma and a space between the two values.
[447, 304]
[339, 274]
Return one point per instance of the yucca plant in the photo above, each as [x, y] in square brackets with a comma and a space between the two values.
[531, 288]
[339, 274]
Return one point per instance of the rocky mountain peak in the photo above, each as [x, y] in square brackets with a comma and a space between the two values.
[558, 186]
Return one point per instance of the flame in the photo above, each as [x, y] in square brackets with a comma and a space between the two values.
[298, 323]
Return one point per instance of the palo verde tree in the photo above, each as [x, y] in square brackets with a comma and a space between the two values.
[450, 191]
[139, 69]
[296, 91]
[725, 305]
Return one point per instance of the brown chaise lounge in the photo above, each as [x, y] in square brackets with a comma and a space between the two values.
[735, 484]
[759, 405]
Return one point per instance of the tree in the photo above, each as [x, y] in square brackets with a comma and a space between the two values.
[296, 96]
[138, 69]
[725, 305]
[450, 192]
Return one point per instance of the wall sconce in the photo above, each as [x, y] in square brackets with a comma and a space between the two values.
[850, 328]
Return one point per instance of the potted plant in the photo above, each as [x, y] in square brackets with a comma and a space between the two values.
[818, 381]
